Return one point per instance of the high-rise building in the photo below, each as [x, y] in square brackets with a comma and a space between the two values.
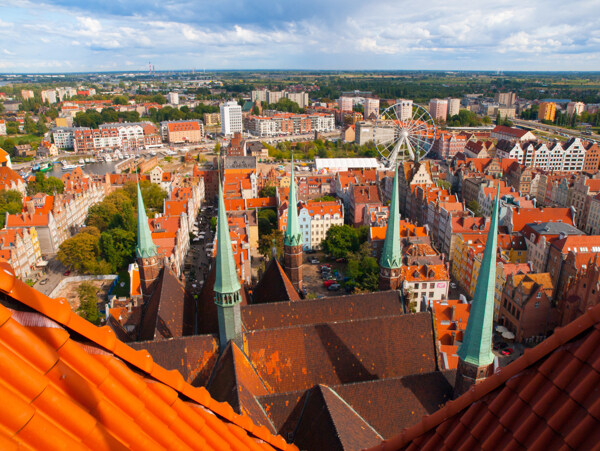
[345, 103]
[26, 94]
[438, 108]
[231, 118]
[301, 98]
[173, 98]
[49, 95]
[505, 98]
[274, 96]
[404, 109]
[453, 106]
[259, 95]
[575, 108]
[371, 108]
[547, 111]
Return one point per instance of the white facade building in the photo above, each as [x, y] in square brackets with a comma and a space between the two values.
[49, 95]
[575, 108]
[259, 95]
[274, 96]
[2, 127]
[404, 109]
[345, 103]
[231, 118]
[453, 106]
[301, 98]
[63, 136]
[173, 98]
[371, 108]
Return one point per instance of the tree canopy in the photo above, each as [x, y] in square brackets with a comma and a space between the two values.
[88, 307]
[268, 191]
[341, 241]
[43, 184]
[11, 201]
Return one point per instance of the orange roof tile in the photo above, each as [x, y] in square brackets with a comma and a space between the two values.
[524, 216]
[59, 391]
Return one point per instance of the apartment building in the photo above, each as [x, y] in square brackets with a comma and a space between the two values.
[231, 118]
[2, 127]
[438, 109]
[575, 108]
[63, 136]
[185, 131]
[453, 106]
[96, 140]
[315, 219]
[371, 108]
[505, 98]
[345, 103]
[547, 111]
[49, 96]
[404, 109]
[21, 249]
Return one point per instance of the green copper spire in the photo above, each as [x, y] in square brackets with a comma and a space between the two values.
[226, 278]
[145, 246]
[476, 347]
[292, 236]
[391, 256]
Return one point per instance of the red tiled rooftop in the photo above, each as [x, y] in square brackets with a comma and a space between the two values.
[69, 384]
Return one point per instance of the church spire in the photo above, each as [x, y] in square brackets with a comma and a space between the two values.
[475, 353]
[145, 246]
[391, 256]
[227, 286]
[292, 239]
[292, 236]
[390, 261]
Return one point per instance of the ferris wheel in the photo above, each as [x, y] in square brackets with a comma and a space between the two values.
[404, 131]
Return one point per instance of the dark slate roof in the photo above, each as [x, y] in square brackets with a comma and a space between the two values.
[208, 322]
[330, 309]
[391, 405]
[297, 358]
[235, 381]
[239, 162]
[170, 311]
[274, 286]
[194, 356]
[329, 423]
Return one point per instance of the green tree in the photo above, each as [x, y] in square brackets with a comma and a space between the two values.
[117, 247]
[88, 303]
[11, 201]
[268, 191]
[341, 241]
[120, 100]
[487, 120]
[152, 194]
[112, 211]
[43, 184]
[475, 208]
[324, 199]
[265, 243]
[267, 221]
[213, 223]
[81, 252]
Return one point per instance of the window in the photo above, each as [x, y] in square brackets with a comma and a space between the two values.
[538, 295]
[432, 285]
[537, 304]
[518, 314]
[416, 286]
[431, 294]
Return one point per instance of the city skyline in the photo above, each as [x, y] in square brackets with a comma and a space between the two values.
[67, 36]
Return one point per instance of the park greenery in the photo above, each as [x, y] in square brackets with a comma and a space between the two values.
[320, 148]
[267, 221]
[107, 243]
[11, 201]
[267, 191]
[47, 185]
[173, 114]
[266, 242]
[88, 303]
[341, 241]
[93, 118]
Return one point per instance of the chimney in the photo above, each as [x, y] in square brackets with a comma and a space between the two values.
[452, 312]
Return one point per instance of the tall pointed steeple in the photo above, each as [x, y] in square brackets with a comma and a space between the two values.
[292, 238]
[145, 246]
[147, 258]
[475, 353]
[227, 287]
[391, 255]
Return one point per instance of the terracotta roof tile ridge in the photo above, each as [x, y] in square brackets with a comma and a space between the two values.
[59, 311]
[561, 336]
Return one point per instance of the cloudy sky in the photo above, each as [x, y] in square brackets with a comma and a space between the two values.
[104, 35]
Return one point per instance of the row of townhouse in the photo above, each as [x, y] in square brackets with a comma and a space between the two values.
[57, 218]
[574, 155]
[289, 124]
[315, 219]
[21, 249]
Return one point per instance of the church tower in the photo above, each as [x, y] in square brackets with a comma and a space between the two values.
[147, 258]
[476, 359]
[227, 287]
[391, 255]
[292, 239]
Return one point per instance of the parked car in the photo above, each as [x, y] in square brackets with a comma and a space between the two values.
[325, 265]
[507, 351]
[314, 261]
[67, 273]
[44, 282]
[330, 282]
[334, 287]
[341, 260]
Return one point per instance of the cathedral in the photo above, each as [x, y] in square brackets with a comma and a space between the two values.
[332, 373]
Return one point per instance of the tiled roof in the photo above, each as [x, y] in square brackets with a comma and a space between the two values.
[274, 286]
[516, 132]
[366, 194]
[330, 309]
[297, 358]
[175, 207]
[546, 399]
[579, 243]
[193, 356]
[69, 384]
[170, 311]
[329, 423]
[524, 216]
